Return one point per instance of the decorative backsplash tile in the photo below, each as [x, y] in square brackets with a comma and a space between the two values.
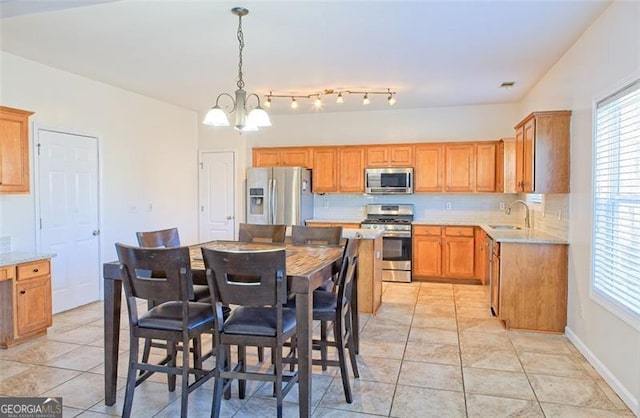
[5, 244]
[448, 207]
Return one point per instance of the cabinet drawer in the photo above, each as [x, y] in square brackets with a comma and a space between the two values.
[430, 230]
[458, 231]
[34, 269]
[7, 273]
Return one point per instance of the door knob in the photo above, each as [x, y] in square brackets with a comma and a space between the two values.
[95, 233]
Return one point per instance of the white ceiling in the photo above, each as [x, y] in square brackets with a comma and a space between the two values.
[433, 53]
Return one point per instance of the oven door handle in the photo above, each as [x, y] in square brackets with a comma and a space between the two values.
[397, 234]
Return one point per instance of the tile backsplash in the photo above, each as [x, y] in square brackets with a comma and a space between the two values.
[550, 216]
[5, 244]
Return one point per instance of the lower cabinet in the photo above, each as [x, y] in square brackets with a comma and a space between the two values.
[529, 286]
[25, 308]
[444, 251]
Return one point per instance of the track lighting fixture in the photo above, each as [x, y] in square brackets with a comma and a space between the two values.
[318, 97]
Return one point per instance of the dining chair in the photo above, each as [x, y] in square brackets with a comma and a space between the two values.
[325, 235]
[261, 233]
[334, 307]
[173, 318]
[170, 238]
[256, 282]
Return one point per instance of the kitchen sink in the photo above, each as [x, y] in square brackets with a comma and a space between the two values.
[507, 227]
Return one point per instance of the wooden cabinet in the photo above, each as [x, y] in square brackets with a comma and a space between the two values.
[351, 170]
[325, 170]
[429, 168]
[447, 251]
[482, 255]
[459, 251]
[531, 281]
[542, 152]
[494, 279]
[25, 308]
[370, 275]
[460, 173]
[284, 157]
[400, 155]
[338, 169]
[14, 150]
[487, 168]
[427, 251]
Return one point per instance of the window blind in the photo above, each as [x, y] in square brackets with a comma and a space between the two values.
[616, 229]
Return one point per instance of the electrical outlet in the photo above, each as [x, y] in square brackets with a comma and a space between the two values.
[448, 205]
[502, 206]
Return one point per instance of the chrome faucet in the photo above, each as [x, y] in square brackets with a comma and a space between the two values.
[527, 224]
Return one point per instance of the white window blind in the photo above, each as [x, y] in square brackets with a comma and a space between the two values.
[616, 231]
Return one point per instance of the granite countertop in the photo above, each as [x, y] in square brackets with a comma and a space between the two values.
[530, 236]
[336, 221]
[18, 257]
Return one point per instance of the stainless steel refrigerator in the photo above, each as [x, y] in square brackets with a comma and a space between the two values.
[279, 195]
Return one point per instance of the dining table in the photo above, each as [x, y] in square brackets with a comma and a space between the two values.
[308, 267]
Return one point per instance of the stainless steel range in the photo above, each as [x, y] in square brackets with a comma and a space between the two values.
[395, 223]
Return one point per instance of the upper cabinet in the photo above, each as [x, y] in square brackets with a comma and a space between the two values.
[283, 157]
[542, 152]
[400, 155]
[460, 171]
[14, 150]
[429, 168]
[338, 169]
[488, 167]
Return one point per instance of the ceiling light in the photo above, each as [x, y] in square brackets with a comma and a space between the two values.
[317, 97]
[255, 119]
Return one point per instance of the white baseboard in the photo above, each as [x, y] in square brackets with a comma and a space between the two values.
[626, 396]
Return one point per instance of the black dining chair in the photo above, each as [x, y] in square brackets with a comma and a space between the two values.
[173, 318]
[334, 307]
[318, 235]
[261, 233]
[170, 238]
[256, 281]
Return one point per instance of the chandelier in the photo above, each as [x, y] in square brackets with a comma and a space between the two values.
[318, 97]
[244, 121]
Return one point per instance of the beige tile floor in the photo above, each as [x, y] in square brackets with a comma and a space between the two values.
[431, 350]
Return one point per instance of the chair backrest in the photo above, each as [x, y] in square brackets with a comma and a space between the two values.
[261, 233]
[326, 235]
[248, 278]
[173, 282]
[347, 273]
[167, 238]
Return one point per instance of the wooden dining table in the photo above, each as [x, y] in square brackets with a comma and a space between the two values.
[308, 266]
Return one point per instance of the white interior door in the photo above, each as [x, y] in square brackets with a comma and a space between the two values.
[68, 208]
[217, 195]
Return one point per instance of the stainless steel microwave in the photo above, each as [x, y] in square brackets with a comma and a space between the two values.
[390, 180]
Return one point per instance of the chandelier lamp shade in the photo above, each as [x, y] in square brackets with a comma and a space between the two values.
[244, 120]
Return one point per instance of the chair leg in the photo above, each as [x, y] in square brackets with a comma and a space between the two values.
[260, 354]
[131, 377]
[242, 362]
[146, 352]
[340, 345]
[277, 365]
[184, 394]
[172, 352]
[197, 355]
[323, 345]
[221, 364]
[227, 365]
[352, 345]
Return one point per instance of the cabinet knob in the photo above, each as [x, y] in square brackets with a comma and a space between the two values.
[35, 270]
[22, 292]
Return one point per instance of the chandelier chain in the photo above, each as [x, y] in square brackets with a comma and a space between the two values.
[240, 82]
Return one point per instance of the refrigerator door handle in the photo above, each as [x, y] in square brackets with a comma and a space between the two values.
[274, 204]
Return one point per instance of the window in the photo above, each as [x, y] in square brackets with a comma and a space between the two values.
[616, 193]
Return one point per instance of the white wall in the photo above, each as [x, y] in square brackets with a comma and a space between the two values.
[148, 153]
[605, 58]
